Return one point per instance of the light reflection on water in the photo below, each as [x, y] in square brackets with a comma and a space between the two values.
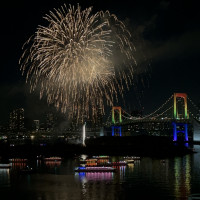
[5, 177]
[171, 178]
[94, 176]
[182, 172]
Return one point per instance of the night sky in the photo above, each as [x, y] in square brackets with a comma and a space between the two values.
[166, 35]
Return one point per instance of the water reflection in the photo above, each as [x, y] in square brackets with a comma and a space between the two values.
[131, 167]
[19, 165]
[5, 177]
[121, 171]
[182, 173]
[94, 176]
[38, 163]
[164, 179]
[52, 164]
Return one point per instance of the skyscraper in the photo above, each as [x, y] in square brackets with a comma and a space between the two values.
[16, 122]
[36, 125]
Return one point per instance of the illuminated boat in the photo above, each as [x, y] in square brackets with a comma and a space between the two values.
[119, 163]
[82, 161]
[95, 169]
[102, 160]
[53, 163]
[18, 160]
[136, 157]
[101, 157]
[97, 161]
[91, 162]
[54, 158]
[131, 159]
[5, 166]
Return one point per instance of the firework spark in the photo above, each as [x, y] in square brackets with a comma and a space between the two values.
[80, 61]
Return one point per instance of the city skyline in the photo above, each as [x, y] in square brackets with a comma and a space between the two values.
[166, 39]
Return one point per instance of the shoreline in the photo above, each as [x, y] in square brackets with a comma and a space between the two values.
[150, 146]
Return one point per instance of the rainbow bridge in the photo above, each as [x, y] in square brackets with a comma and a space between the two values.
[174, 119]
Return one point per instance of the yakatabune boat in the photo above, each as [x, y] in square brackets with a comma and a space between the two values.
[95, 169]
[53, 158]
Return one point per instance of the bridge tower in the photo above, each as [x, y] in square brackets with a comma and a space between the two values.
[113, 114]
[177, 123]
[184, 96]
[116, 129]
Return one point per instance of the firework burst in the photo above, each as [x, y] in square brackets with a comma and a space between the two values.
[80, 61]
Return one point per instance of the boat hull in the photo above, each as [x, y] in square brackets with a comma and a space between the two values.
[95, 169]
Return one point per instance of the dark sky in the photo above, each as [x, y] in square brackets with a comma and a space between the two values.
[166, 35]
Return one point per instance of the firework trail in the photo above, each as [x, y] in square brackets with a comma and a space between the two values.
[80, 61]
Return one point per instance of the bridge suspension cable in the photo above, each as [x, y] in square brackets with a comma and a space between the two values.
[130, 117]
[193, 116]
[163, 112]
[158, 108]
[195, 106]
[127, 113]
[157, 113]
[194, 109]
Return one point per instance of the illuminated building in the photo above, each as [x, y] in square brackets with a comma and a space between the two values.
[16, 122]
[36, 125]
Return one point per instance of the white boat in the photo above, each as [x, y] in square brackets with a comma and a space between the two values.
[131, 159]
[101, 157]
[5, 166]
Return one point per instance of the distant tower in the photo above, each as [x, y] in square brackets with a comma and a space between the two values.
[36, 125]
[49, 122]
[84, 134]
[17, 120]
